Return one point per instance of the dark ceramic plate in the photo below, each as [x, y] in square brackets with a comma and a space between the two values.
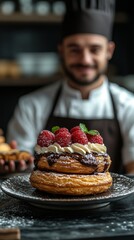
[19, 187]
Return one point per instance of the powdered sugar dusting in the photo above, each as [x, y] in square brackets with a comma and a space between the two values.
[12, 213]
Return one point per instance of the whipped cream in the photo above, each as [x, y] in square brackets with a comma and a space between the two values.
[73, 148]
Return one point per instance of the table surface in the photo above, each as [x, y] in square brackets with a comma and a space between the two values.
[114, 221]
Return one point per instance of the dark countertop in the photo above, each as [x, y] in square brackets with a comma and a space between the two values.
[114, 221]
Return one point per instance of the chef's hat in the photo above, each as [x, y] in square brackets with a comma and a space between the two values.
[88, 16]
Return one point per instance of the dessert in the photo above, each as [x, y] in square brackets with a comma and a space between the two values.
[71, 162]
[14, 155]
[7, 153]
[2, 138]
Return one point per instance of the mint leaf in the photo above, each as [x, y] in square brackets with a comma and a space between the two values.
[83, 127]
[85, 130]
[55, 128]
[93, 132]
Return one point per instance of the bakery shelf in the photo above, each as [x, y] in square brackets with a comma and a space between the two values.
[31, 18]
[30, 81]
[17, 17]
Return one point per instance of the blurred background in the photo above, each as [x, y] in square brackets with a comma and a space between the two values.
[29, 34]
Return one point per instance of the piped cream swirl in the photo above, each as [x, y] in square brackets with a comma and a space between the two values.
[73, 148]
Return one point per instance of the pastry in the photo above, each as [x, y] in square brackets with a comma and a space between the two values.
[2, 138]
[71, 162]
[4, 147]
[7, 153]
[71, 184]
[14, 155]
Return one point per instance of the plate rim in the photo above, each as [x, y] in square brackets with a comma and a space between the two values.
[71, 200]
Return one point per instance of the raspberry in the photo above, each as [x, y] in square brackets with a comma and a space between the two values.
[95, 138]
[45, 138]
[79, 137]
[63, 138]
[74, 129]
[61, 130]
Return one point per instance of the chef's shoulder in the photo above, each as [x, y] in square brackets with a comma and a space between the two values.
[122, 96]
[43, 94]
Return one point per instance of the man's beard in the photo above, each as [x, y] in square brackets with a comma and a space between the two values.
[82, 81]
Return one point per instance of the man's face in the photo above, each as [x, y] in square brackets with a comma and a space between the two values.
[85, 57]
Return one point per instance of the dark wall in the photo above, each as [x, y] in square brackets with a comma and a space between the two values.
[8, 99]
[123, 35]
[22, 37]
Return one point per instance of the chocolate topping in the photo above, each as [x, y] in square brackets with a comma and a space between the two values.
[89, 159]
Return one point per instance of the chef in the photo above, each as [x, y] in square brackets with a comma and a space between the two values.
[85, 95]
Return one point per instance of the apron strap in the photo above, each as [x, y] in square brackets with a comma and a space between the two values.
[113, 104]
[57, 96]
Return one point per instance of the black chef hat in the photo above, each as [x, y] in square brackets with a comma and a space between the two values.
[88, 16]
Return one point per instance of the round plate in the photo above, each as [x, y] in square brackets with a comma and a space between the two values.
[19, 187]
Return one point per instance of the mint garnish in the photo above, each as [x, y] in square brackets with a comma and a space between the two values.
[85, 130]
[55, 128]
[93, 132]
[83, 127]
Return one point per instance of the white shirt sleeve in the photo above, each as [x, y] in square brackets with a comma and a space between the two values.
[127, 128]
[21, 126]
[125, 111]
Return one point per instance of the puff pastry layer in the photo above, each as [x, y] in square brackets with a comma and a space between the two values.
[70, 184]
[68, 164]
